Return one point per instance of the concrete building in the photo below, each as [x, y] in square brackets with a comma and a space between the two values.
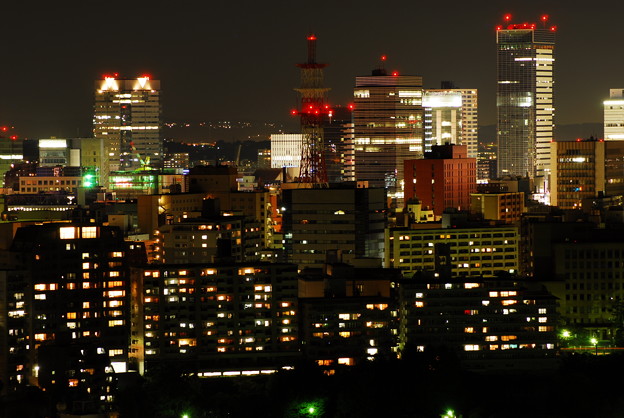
[451, 116]
[460, 251]
[388, 128]
[219, 319]
[487, 324]
[286, 152]
[591, 290]
[127, 117]
[579, 172]
[347, 315]
[614, 115]
[506, 207]
[445, 178]
[70, 283]
[340, 221]
[524, 98]
[586, 169]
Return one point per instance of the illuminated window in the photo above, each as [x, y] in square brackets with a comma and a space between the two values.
[89, 232]
[68, 232]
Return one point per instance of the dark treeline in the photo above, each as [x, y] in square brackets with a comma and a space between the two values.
[423, 386]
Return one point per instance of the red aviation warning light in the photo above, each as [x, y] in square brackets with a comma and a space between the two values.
[13, 137]
[395, 73]
[311, 38]
[294, 112]
[553, 29]
[544, 18]
[351, 106]
[507, 17]
[384, 57]
[4, 129]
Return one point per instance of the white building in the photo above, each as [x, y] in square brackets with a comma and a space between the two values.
[286, 152]
[614, 115]
[451, 116]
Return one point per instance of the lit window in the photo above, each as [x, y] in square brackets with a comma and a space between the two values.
[68, 232]
[89, 232]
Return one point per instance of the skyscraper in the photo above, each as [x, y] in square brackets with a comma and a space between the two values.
[524, 97]
[388, 128]
[614, 115]
[127, 116]
[451, 116]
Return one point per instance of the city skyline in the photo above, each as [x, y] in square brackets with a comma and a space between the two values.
[204, 56]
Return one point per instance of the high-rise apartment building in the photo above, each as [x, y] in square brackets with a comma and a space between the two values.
[614, 115]
[524, 98]
[388, 128]
[451, 116]
[127, 116]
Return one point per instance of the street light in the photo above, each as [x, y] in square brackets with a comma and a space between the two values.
[594, 341]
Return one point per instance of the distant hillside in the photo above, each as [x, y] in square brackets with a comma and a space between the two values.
[562, 132]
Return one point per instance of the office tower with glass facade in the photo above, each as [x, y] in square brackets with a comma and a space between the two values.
[127, 116]
[388, 128]
[524, 98]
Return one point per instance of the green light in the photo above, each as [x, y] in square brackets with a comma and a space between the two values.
[311, 410]
[594, 341]
[566, 334]
[186, 416]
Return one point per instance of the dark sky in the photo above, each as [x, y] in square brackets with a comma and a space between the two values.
[236, 59]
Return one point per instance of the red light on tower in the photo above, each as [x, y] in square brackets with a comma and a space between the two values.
[553, 29]
[293, 112]
[395, 73]
[499, 27]
[384, 57]
[350, 106]
[13, 137]
[507, 17]
[544, 18]
[311, 38]
[4, 129]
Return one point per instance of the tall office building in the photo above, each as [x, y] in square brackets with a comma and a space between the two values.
[614, 115]
[524, 97]
[127, 117]
[451, 116]
[388, 128]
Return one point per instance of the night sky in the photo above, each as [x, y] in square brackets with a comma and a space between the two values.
[236, 59]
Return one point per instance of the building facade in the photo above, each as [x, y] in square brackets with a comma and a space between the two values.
[614, 115]
[127, 116]
[342, 220]
[524, 99]
[451, 116]
[445, 178]
[456, 252]
[219, 319]
[388, 128]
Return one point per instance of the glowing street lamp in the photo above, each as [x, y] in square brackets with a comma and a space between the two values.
[594, 342]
